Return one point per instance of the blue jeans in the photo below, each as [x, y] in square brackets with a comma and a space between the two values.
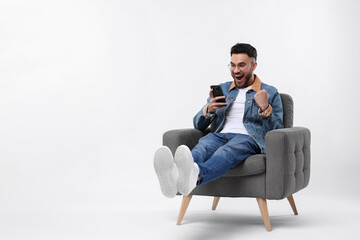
[217, 153]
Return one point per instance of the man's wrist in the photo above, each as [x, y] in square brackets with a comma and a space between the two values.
[208, 114]
[266, 112]
[264, 109]
[207, 110]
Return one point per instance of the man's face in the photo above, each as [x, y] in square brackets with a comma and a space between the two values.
[242, 68]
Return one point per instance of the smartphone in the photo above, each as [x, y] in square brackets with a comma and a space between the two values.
[217, 91]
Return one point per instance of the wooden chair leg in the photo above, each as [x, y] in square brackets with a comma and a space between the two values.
[215, 203]
[264, 212]
[292, 203]
[184, 205]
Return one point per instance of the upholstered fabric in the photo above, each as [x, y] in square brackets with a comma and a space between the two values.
[189, 137]
[248, 186]
[287, 161]
[288, 110]
[253, 165]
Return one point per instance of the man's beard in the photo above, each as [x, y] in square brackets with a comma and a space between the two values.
[247, 79]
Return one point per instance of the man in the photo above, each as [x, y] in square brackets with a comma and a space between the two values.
[252, 108]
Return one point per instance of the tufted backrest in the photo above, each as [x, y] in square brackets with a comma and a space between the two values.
[288, 108]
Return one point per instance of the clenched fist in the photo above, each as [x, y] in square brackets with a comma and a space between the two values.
[261, 98]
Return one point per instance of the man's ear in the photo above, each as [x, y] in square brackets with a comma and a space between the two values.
[254, 66]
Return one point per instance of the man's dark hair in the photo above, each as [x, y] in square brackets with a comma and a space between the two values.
[244, 48]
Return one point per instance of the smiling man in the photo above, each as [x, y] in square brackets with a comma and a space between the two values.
[252, 108]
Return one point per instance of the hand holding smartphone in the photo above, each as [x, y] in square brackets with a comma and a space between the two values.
[218, 103]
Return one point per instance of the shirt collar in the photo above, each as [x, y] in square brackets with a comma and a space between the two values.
[255, 86]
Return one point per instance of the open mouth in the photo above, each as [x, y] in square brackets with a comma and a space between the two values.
[239, 77]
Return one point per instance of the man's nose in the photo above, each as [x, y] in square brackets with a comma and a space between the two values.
[237, 69]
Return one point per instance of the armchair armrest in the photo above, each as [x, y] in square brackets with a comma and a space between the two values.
[287, 161]
[189, 137]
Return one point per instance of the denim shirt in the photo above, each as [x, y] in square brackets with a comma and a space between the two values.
[256, 125]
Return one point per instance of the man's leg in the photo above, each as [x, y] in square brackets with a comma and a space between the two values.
[206, 146]
[187, 161]
[237, 149]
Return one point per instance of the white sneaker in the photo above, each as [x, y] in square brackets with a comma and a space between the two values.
[188, 170]
[166, 171]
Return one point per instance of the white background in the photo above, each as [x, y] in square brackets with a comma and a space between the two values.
[87, 88]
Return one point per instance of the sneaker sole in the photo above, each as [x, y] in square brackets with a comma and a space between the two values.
[164, 167]
[185, 164]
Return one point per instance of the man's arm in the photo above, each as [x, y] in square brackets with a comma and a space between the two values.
[271, 112]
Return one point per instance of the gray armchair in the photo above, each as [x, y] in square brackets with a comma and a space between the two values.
[278, 174]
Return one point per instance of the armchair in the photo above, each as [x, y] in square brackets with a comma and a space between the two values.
[279, 173]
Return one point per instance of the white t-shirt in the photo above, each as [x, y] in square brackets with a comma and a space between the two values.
[235, 114]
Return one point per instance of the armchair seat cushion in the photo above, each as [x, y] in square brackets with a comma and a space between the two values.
[253, 165]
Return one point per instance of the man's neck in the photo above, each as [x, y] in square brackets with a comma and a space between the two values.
[252, 80]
